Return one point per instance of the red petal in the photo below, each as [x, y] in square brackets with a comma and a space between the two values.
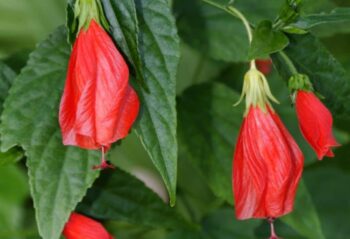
[315, 122]
[98, 105]
[267, 167]
[265, 66]
[82, 227]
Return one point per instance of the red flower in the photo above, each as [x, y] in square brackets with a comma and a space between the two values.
[315, 122]
[265, 66]
[267, 166]
[81, 227]
[98, 106]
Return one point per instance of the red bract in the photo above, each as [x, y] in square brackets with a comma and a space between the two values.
[267, 166]
[315, 122]
[98, 106]
[265, 66]
[82, 227]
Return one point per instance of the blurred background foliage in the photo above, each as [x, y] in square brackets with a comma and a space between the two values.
[213, 47]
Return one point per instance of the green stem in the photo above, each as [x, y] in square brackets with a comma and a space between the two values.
[236, 13]
[289, 63]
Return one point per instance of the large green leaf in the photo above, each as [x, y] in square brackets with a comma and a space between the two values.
[211, 30]
[124, 26]
[337, 15]
[121, 197]
[146, 33]
[220, 224]
[304, 218]
[59, 176]
[327, 75]
[10, 156]
[327, 183]
[266, 41]
[159, 47]
[7, 75]
[208, 127]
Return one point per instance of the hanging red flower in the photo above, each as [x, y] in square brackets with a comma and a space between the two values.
[98, 106]
[315, 122]
[267, 163]
[264, 66]
[82, 227]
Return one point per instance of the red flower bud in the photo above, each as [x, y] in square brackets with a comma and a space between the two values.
[98, 106]
[265, 66]
[82, 227]
[315, 122]
[267, 166]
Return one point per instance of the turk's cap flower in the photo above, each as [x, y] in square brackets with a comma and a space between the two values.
[98, 105]
[264, 65]
[315, 122]
[256, 91]
[82, 227]
[267, 167]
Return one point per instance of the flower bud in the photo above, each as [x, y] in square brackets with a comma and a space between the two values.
[315, 122]
[82, 227]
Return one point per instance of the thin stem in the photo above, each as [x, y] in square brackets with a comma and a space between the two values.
[236, 13]
[289, 63]
[272, 228]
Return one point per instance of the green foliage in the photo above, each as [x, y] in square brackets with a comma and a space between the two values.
[325, 72]
[119, 196]
[214, 124]
[337, 15]
[157, 125]
[137, 31]
[266, 41]
[326, 183]
[211, 30]
[213, 42]
[58, 175]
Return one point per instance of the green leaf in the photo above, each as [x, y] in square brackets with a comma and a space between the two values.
[147, 35]
[124, 26]
[220, 224]
[211, 30]
[327, 75]
[159, 46]
[208, 127]
[304, 218]
[266, 41]
[7, 75]
[59, 176]
[121, 197]
[337, 15]
[327, 184]
[11, 156]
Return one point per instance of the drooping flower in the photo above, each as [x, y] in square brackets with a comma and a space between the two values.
[98, 106]
[267, 163]
[264, 66]
[82, 227]
[315, 122]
